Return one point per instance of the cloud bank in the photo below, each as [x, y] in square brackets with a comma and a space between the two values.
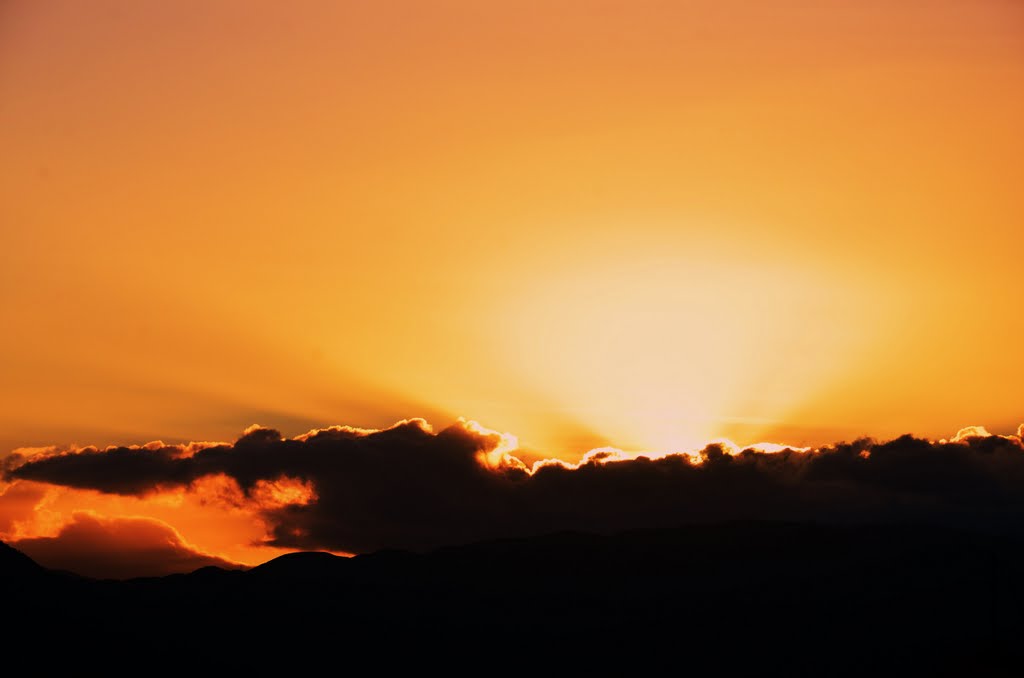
[118, 548]
[359, 490]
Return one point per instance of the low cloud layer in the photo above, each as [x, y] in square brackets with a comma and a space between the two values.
[408, 487]
[117, 548]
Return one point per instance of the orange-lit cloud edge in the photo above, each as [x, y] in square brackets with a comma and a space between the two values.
[212, 520]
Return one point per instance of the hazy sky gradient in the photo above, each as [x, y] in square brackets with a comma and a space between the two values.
[638, 223]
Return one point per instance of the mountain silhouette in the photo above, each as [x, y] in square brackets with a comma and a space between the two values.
[15, 565]
[726, 599]
[302, 565]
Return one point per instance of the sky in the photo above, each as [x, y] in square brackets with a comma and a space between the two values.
[646, 225]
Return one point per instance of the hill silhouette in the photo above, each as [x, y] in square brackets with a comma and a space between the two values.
[302, 565]
[726, 599]
[15, 565]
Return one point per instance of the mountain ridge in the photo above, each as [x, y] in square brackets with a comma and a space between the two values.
[752, 597]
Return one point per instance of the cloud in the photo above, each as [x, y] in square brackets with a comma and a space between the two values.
[19, 501]
[358, 490]
[971, 432]
[117, 548]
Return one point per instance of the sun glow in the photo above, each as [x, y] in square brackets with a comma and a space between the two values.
[499, 454]
[665, 354]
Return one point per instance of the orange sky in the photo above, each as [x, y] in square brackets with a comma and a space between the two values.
[640, 223]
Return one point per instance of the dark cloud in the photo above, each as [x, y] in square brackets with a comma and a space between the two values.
[117, 548]
[408, 487]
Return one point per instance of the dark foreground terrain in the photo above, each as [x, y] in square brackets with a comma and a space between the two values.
[728, 599]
